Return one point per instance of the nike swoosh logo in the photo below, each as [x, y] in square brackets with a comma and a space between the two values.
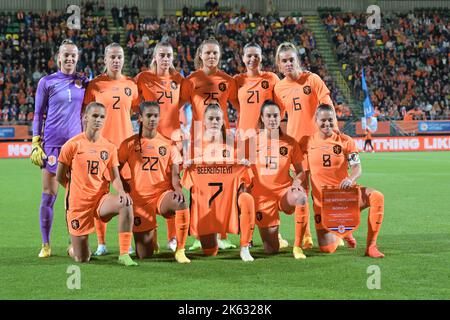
[312, 148]
[80, 152]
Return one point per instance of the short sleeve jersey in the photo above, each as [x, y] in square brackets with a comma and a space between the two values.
[328, 160]
[150, 161]
[252, 92]
[300, 100]
[273, 161]
[201, 90]
[214, 193]
[88, 161]
[166, 91]
[119, 97]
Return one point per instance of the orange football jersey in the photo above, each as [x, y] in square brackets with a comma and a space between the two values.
[201, 90]
[252, 92]
[119, 97]
[214, 194]
[166, 91]
[88, 163]
[150, 162]
[300, 100]
[273, 161]
[328, 160]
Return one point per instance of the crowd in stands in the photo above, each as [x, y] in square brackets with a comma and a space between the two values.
[233, 31]
[122, 15]
[29, 43]
[406, 62]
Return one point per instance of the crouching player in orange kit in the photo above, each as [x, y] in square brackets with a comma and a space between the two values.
[329, 155]
[155, 183]
[274, 189]
[82, 163]
[218, 182]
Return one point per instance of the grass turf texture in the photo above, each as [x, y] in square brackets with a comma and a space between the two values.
[415, 238]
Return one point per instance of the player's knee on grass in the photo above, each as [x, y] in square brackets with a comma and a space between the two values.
[82, 259]
[80, 251]
[144, 244]
[269, 237]
[211, 251]
[209, 244]
[328, 242]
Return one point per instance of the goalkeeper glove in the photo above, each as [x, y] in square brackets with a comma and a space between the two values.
[37, 153]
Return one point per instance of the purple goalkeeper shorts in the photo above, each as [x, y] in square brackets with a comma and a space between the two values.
[51, 163]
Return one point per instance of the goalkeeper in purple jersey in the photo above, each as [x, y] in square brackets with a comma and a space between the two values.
[57, 118]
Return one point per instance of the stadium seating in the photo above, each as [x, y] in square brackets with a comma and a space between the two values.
[406, 62]
[29, 43]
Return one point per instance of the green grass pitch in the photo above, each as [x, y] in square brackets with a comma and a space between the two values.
[415, 237]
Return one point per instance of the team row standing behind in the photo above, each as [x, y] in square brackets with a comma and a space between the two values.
[298, 94]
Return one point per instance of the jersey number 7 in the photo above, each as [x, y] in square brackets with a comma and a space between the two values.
[215, 184]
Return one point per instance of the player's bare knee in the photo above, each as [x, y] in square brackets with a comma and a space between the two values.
[300, 198]
[328, 249]
[144, 254]
[82, 259]
[271, 248]
[127, 211]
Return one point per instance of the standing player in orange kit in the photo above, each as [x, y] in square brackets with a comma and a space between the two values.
[119, 94]
[329, 155]
[218, 182]
[161, 85]
[208, 84]
[82, 163]
[155, 183]
[273, 188]
[299, 94]
[254, 87]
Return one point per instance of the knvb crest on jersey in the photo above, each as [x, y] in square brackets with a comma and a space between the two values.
[283, 151]
[104, 155]
[162, 151]
[128, 91]
[78, 84]
[259, 216]
[318, 218]
[222, 86]
[75, 224]
[173, 85]
[51, 160]
[137, 221]
[337, 149]
[225, 153]
[307, 90]
[265, 84]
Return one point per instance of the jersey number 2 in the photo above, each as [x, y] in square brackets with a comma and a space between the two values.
[326, 160]
[215, 184]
